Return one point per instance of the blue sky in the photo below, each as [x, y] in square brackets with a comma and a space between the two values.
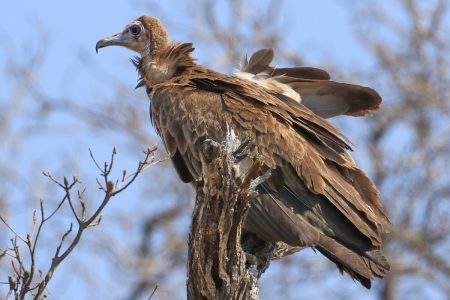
[74, 27]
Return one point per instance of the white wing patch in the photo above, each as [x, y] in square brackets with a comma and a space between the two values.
[264, 80]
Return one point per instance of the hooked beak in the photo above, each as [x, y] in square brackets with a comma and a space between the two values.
[118, 39]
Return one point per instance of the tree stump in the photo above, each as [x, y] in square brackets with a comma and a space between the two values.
[217, 265]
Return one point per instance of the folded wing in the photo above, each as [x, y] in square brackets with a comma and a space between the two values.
[316, 196]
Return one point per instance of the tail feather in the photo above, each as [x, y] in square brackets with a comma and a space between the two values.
[361, 267]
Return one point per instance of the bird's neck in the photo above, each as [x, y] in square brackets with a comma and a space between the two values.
[155, 70]
[163, 65]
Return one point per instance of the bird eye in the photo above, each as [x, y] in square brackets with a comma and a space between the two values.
[135, 29]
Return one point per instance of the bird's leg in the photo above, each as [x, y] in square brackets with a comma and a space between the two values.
[258, 253]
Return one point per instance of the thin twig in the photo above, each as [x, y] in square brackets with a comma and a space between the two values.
[11, 229]
[154, 290]
[21, 283]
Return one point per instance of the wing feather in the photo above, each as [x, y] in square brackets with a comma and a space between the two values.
[324, 97]
[317, 197]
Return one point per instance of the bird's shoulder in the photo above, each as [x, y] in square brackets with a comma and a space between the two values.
[202, 85]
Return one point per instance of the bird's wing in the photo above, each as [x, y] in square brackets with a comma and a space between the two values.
[260, 61]
[317, 196]
[324, 97]
[331, 98]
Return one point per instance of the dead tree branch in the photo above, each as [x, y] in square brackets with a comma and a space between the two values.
[217, 265]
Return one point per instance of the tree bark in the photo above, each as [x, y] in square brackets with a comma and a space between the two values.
[217, 266]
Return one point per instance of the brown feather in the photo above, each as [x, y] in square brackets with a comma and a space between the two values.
[300, 72]
[320, 96]
[316, 197]
[325, 98]
[259, 61]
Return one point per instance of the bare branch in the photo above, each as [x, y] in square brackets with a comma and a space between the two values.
[21, 283]
[11, 229]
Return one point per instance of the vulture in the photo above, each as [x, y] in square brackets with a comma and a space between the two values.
[316, 196]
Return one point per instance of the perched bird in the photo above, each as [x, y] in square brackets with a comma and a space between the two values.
[316, 196]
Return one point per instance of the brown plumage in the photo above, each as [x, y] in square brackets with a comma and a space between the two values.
[313, 86]
[316, 196]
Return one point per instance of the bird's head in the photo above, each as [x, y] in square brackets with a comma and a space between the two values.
[144, 35]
